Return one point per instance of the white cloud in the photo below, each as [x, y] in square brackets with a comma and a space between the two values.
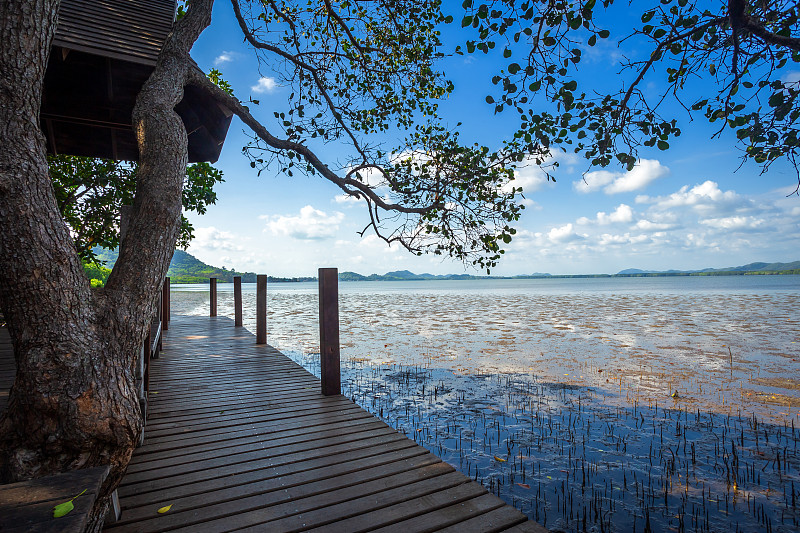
[265, 85]
[705, 199]
[734, 223]
[310, 224]
[607, 239]
[622, 214]
[647, 225]
[530, 204]
[563, 234]
[532, 177]
[370, 176]
[346, 199]
[224, 57]
[791, 77]
[210, 238]
[643, 174]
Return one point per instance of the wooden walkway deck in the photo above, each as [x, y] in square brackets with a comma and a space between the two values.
[240, 438]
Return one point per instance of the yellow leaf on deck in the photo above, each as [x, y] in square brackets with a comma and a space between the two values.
[165, 509]
[499, 459]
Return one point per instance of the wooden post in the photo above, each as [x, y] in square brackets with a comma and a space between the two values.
[261, 309]
[237, 300]
[148, 354]
[165, 302]
[159, 320]
[329, 331]
[213, 295]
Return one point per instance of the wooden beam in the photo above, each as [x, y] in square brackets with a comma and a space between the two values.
[261, 309]
[329, 331]
[213, 295]
[237, 301]
[165, 302]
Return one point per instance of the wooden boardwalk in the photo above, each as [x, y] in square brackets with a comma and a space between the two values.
[240, 438]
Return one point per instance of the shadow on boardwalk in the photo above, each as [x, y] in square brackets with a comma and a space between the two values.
[239, 437]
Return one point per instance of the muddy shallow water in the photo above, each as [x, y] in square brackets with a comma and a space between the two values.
[591, 404]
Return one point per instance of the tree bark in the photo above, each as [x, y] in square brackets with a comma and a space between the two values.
[74, 404]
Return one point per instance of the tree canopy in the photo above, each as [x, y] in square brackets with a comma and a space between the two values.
[739, 51]
[361, 70]
[91, 191]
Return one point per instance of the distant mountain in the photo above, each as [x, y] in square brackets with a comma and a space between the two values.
[750, 268]
[186, 268]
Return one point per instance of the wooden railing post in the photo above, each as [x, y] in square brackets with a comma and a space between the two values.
[213, 295]
[237, 301]
[165, 304]
[148, 354]
[261, 309]
[159, 320]
[329, 331]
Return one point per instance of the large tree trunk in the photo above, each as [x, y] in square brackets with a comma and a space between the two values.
[73, 404]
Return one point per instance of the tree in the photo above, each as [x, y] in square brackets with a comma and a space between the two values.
[73, 403]
[741, 47]
[90, 192]
[359, 70]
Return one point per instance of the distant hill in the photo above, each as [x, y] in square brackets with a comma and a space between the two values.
[186, 268]
[750, 268]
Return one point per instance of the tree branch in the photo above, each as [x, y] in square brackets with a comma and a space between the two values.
[260, 45]
[199, 80]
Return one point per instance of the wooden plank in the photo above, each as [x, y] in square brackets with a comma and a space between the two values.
[225, 465]
[314, 468]
[498, 519]
[448, 516]
[253, 438]
[527, 527]
[274, 491]
[28, 505]
[301, 506]
[237, 467]
[258, 450]
[355, 510]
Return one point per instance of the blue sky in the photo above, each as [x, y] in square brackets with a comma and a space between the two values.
[685, 208]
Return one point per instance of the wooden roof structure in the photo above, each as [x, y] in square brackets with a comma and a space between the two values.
[103, 52]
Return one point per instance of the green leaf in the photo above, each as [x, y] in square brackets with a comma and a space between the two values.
[62, 508]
